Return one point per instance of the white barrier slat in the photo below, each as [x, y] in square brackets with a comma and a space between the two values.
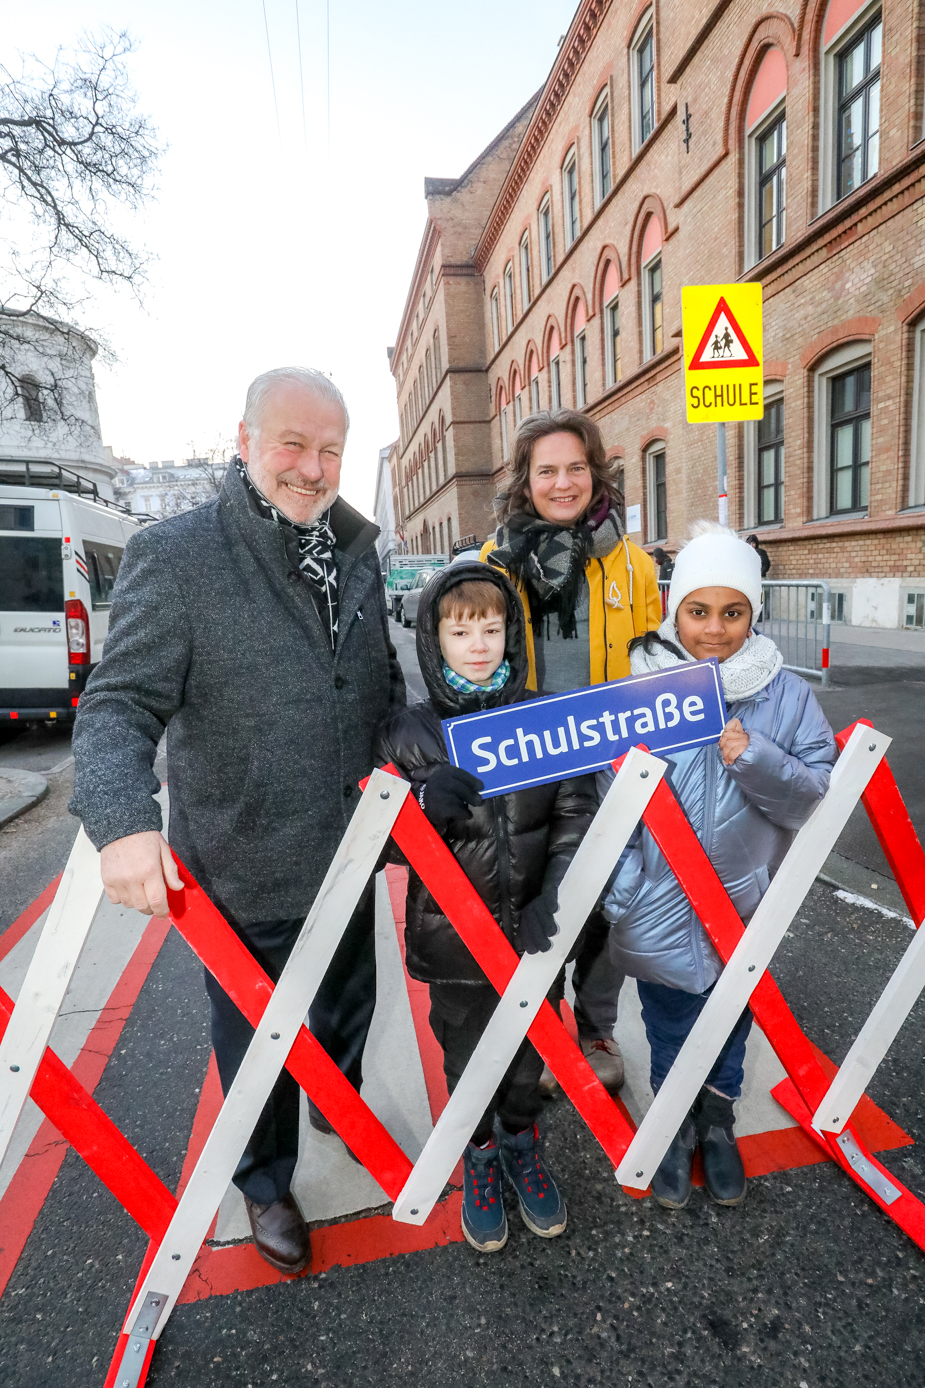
[285, 1012]
[48, 977]
[874, 1039]
[752, 956]
[583, 883]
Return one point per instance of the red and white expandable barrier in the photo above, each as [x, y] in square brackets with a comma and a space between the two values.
[280, 1038]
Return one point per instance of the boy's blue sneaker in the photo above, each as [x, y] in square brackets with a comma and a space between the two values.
[542, 1208]
[484, 1222]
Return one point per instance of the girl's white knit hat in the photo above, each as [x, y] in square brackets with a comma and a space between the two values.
[715, 558]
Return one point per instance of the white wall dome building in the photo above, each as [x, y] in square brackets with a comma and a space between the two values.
[48, 413]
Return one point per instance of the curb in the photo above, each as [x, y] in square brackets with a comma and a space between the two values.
[19, 792]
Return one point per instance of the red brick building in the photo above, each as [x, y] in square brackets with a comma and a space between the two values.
[682, 144]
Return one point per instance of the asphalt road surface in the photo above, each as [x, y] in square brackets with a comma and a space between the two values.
[807, 1284]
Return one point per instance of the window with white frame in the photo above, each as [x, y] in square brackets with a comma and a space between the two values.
[656, 493]
[653, 325]
[430, 373]
[526, 293]
[438, 371]
[504, 449]
[841, 431]
[509, 296]
[600, 143]
[534, 394]
[849, 444]
[570, 210]
[546, 254]
[555, 384]
[581, 369]
[642, 76]
[764, 461]
[770, 156]
[518, 408]
[495, 320]
[612, 363]
[546, 238]
[849, 127]
[858, 137]
[917, 441]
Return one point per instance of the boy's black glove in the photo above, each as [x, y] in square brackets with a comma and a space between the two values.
[537, 921]
[447, 794]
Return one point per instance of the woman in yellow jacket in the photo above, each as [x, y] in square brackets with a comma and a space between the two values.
[587, 591]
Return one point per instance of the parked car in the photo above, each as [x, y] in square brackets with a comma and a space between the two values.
[59, 556]
[401, 576]
[411, 600]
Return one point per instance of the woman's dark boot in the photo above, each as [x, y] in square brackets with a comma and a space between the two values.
[722, 1165]
[671, 1184]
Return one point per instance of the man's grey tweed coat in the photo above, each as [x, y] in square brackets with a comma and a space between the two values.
[214, 632]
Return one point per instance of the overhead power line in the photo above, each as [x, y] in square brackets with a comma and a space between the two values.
[272, 77]
[298, 31]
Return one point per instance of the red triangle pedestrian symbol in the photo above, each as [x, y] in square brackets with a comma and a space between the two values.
[723, 345]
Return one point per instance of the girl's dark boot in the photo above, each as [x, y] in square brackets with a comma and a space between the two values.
[671, 1184]
[722, 1164]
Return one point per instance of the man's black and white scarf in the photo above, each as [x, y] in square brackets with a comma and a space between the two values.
[550, 559]
[316, 552]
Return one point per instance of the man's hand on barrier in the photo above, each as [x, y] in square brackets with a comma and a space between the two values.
[447, 794]
[733, 741]
[137, 871]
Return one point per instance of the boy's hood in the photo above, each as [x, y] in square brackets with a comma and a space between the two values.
[450, 702]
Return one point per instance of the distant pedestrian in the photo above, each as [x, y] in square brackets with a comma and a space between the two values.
[587, 591]
[745, 797]
[762, 555]
[254, 630]
[665, 563]
[514, 848]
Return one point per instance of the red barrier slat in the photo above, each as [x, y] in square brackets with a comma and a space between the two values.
[94, 1136]
[483, 937]
[895, 830]
[226, 957]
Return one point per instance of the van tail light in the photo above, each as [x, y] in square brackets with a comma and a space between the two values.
[78, 632]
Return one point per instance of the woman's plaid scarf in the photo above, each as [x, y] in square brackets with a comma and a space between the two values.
[316, 552]
[549, 559]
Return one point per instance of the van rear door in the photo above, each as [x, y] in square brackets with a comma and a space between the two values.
[33, 647]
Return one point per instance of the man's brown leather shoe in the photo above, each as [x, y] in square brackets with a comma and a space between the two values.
[281, 1234]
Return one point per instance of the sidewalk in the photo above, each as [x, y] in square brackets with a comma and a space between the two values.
[873, 646]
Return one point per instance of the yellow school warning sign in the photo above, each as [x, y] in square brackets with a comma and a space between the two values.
[723, 352]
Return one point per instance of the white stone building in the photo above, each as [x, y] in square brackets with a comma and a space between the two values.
[167, 488]
[49, 422]
[387, 542]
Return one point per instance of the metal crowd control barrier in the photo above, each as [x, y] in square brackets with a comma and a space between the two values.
[797, 615]
[178, 1228]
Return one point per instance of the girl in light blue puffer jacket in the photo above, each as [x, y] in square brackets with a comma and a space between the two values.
[744, 798]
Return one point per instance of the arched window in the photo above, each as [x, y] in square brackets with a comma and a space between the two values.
[30, 390]
[653, 333]
[555, 377]
[417, 403]
[570, 209]
[581, 355]
[430, 373]
[852, 43]
[600, 145]
[421, 386]
[533, 376]
[766, 158]
[613, 371]
[502, 411]
[642, 80]
[438, 369]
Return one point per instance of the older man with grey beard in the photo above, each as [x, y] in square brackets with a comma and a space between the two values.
[254, 630]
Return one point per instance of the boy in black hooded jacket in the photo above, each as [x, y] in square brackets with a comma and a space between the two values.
[514, 849]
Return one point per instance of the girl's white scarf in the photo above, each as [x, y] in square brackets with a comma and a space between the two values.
[752, 667]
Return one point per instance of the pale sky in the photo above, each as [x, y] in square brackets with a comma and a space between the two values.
[269, 252]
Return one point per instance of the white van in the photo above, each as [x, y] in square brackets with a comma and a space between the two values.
[59, 556]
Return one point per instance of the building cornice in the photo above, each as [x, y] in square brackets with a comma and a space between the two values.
[571, 55]
[835, 529]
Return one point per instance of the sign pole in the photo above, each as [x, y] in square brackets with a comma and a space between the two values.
[723, 496]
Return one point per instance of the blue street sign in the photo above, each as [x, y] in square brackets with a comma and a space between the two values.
[566, 734]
